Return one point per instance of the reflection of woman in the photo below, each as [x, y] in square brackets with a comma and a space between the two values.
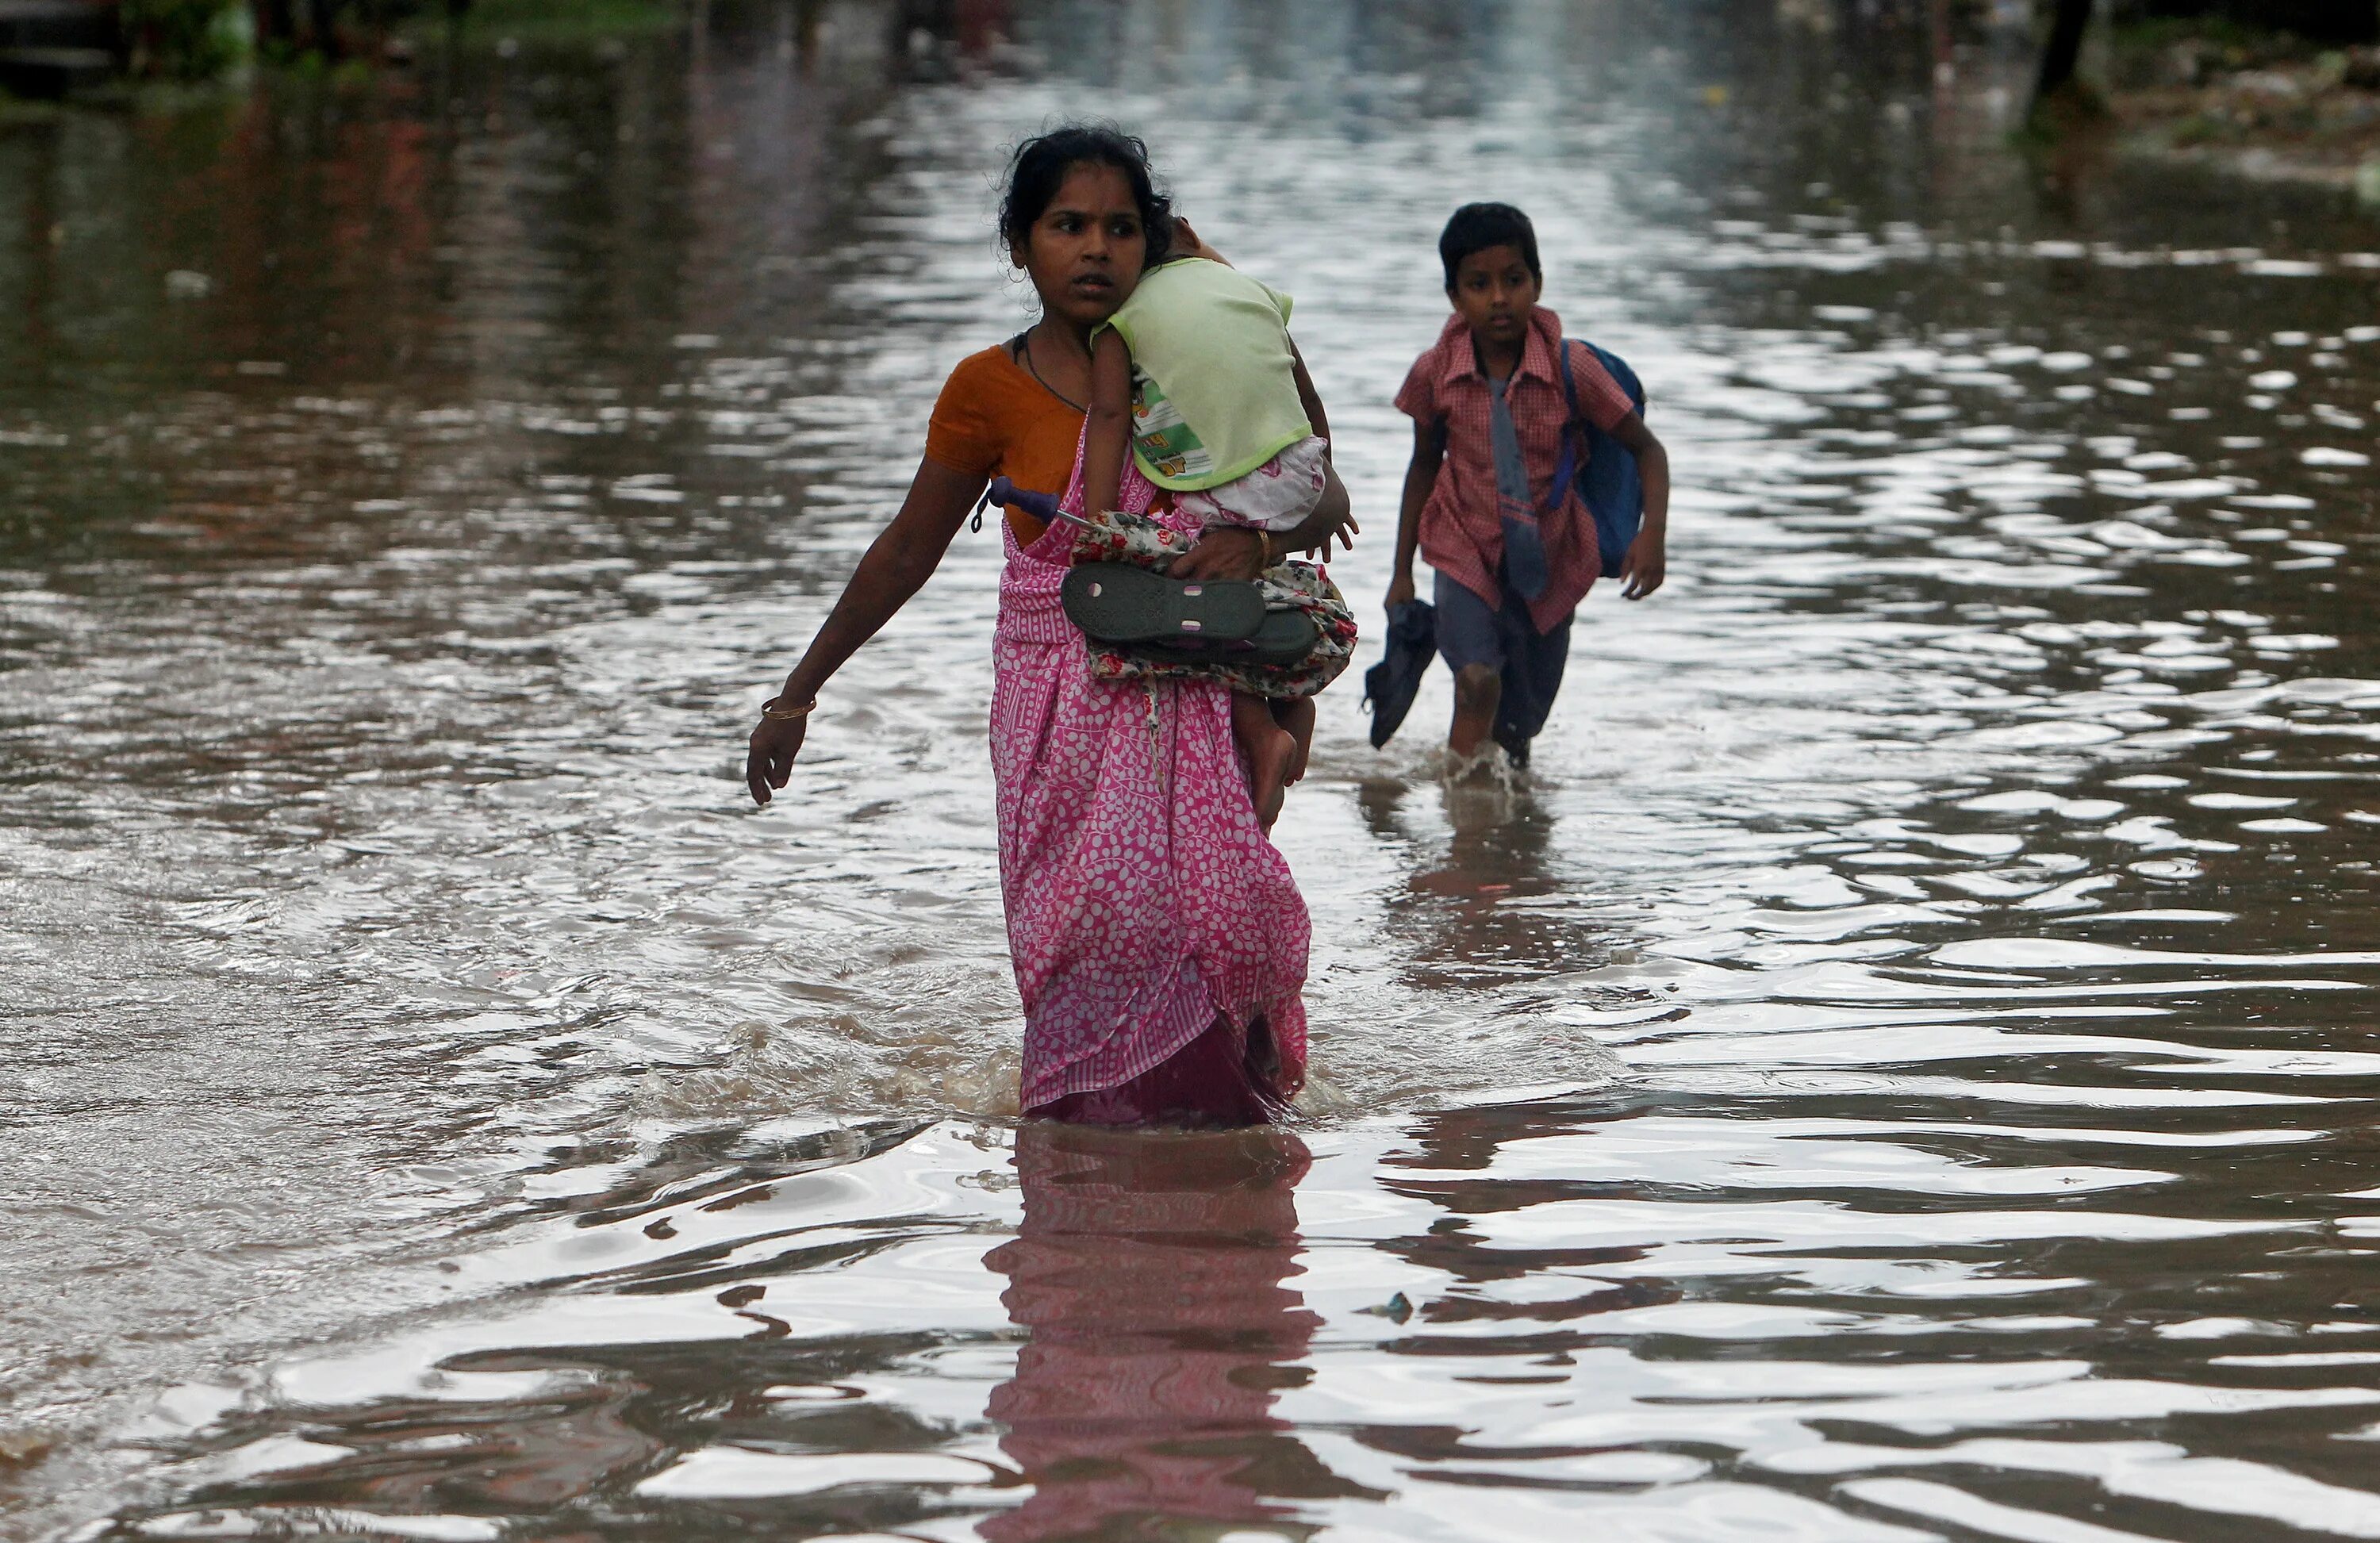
[1131, 861]
[1149, 1273]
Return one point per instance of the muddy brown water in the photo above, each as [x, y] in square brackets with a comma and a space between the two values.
[1898, 1068]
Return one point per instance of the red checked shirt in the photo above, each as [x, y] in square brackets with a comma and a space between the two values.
[1461, 533]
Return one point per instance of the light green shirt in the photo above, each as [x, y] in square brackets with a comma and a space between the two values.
[1214, 385]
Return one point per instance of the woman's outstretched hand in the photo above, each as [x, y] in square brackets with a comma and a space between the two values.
[769, 763]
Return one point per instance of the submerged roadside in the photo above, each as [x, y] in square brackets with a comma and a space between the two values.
[2265, 104]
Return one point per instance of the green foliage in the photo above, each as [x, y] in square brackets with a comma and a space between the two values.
[185, 39]
[563, 21]
[2216, 32]
[2204, 128]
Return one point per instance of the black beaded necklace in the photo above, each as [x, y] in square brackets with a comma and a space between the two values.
[1024, 351]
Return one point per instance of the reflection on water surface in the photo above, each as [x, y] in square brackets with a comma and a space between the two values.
[1896, 1069]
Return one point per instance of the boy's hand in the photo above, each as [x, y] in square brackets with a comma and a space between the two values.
[1645, 565]
[1647, 562]
[1401, 590]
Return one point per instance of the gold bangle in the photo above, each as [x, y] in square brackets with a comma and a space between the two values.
[775, 714]
[1265, 537]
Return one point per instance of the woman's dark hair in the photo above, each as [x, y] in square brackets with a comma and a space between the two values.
[1477, 226]
[1039, 166]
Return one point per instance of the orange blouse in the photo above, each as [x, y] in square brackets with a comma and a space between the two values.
[994, 419]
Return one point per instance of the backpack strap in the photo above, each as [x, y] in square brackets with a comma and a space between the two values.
[1566, 467]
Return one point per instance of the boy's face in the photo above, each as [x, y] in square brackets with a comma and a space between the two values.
[1493, 291]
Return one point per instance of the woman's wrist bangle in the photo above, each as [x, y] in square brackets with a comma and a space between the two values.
[1264, 539]
[775, 711]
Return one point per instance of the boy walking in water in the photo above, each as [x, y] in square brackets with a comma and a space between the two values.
[1514, 554]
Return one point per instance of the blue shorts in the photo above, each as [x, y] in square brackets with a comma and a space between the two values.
[1529, 662]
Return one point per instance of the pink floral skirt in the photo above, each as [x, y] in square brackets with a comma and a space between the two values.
[1159, 940]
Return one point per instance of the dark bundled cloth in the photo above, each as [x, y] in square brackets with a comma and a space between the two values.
[1390, 685]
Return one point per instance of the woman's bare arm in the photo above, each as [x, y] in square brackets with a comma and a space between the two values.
[896, 566]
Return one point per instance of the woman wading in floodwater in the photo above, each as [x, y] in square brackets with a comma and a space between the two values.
[1159, 940]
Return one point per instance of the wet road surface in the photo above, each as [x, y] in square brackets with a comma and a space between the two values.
[1896, 1068]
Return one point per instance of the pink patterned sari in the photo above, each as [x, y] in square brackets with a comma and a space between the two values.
[1156, 1280]
[1158, 940]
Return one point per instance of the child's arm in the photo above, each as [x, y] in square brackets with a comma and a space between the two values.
[1647, 562]
[1309, 398]
[1107, 438]
[1421, 476]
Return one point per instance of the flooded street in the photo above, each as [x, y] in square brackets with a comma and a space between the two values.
[1899, 1067]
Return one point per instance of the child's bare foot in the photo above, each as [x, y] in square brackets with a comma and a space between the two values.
[1271, 750]
[1296, 716]
[1270, 755]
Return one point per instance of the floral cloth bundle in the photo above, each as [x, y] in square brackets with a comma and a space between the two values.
[1113, 536]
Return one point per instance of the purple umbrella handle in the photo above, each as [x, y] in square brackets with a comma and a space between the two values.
[1042, 507]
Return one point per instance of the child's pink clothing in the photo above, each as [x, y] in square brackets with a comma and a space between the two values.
[1276, 496]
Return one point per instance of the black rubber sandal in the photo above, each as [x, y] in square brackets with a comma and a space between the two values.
[1117, 602]
[1285, 638]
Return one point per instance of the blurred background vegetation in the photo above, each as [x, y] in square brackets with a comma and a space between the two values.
[2276, 88]
[198, 40]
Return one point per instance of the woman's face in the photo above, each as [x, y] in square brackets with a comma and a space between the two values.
[1085, 251]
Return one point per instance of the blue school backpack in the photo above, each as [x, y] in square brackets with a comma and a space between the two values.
[1608, 483]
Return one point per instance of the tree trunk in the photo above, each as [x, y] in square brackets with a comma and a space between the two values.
[2064, 49]
[322, 20]
[274, 24]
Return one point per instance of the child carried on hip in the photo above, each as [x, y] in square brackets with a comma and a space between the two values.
[1195, 379]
